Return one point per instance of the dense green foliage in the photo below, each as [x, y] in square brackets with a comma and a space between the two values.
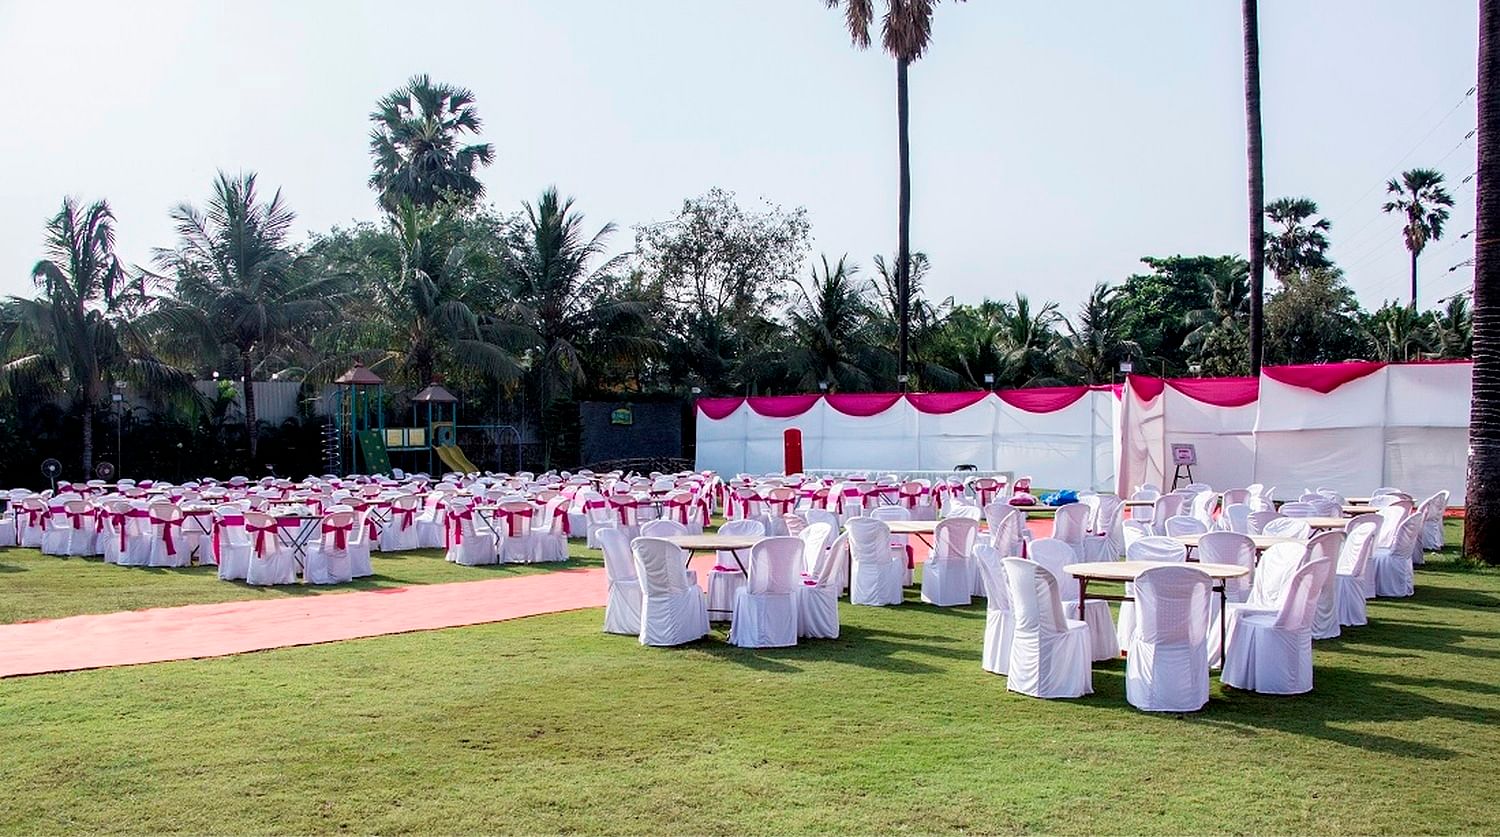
[526, 312]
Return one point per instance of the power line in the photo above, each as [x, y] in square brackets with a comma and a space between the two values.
[1466, 97]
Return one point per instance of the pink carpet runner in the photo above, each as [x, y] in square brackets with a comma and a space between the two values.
[216, 630]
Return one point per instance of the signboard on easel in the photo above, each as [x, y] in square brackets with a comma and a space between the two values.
[1184, 457]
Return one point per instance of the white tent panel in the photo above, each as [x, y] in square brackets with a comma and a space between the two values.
[884, 441]
[1347, 460]
[1357, 403]
[1056, 449]
[962, 437]
[1222, 437]
[1428, 394]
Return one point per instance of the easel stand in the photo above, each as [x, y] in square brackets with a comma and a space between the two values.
[1182, 471]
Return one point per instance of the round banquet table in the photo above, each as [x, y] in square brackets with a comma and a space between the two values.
[1326, 522]
[708, 542]
[1130, 570]
[1356, 511]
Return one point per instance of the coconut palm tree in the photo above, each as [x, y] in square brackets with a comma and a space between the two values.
[926, 320]
[1250, 30]
[1421, 198]
[233, 266]
[418, 144]
[1025, 341]
[1218, 337]
[1094, 346]
[906, 32]
[431, 308]
[833, 338]
[90, 326]
[1482, 500]
[565, 298]
[1453, 329]
[1299, 244]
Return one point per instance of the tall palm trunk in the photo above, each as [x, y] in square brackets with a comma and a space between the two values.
[1482, 506]
[1414, 280]
[1257, 181]
[252, 429]
[903, 222]
[88, 440]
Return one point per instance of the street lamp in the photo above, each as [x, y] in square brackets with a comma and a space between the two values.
[1126, 367]
[901, 380]
[118, 397]
[697, 391]
[822, 386]
[1196, 369]
[989, 380]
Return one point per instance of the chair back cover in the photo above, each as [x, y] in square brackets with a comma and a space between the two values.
[954, 537]
[1287, 527]
[1185, 525]
[869, 540]
[1156, 548]
[619, 564]
[662, 528]
[743, 529]
[1071, 522]
[775, 565]
[1034, 598]
[1274, 572]
[1172, 604]
[659, 566]
[1300, 603]
[1053, 554]
[992, 571]
[1229, 548]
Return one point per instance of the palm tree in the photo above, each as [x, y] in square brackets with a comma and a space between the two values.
[418, 145]
[1420, 196]
[234, 267]
[564, 298]
[432, 310]
[1218, 338]
[1250, 27]
[1298, 245]
[1482, 500]
[926, 320]
[833, 339]
[1400, 334]
[90, 326]
[906, 32]
[1094, 345]
[1026, 342]
[1453, 329]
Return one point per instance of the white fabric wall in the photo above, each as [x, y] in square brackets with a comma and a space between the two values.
[1427, 428]
[1222, 436]
[1141, 446]
[1067, 448]
[1308, 439]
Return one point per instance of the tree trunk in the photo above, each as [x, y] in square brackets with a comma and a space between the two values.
[1482, 505]
[1257, 182]
[88, 441]
[252, 427]
[1414, 280]
[903, 223]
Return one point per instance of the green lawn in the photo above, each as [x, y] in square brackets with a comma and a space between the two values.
[545, 724]
[37, 586]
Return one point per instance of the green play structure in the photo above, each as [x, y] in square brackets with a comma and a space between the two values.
[363, 437]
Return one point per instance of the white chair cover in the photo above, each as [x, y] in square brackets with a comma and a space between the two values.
[1432, 523]
[947, 577]
[765, 608]
[673, 611]
[1354, 559]
[663, 528]
[622, 605]
[1150, 548]
[999, 625]
[875, 574]
[270, 562]
[1272, 653]
[1049, 654]
[1055, 555]
[818, 598]
[1184, 525]
[1166, 665]
[1393, 563]
[725, 578]
[1326, 621]
[1287, 527]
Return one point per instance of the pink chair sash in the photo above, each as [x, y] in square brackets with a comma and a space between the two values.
[228, 521]
[166, 532]
[513, 520]
[340, 533]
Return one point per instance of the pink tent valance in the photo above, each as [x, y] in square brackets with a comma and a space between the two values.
[782, 406]
[1042, 399]
[1220, 392]
[719, 408]
[942, 403]
[862, 404]
[1322, 377]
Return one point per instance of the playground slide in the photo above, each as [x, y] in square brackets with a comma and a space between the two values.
[463, 461]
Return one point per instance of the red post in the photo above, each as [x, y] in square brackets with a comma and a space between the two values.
[791, 442]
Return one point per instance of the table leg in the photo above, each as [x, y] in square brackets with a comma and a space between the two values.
[1223, 621]
[735, 553]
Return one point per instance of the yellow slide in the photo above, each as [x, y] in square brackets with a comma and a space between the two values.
[454, 458]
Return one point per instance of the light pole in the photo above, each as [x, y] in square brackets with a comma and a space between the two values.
[118, 397]
[989, 380]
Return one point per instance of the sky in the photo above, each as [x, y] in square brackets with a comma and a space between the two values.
[1053, 143]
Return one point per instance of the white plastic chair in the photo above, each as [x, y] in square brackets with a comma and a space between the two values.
[1432, 510]
[1166, 665]
[1393, 564]
[818, 597]
[947, 577]
[1354, 560]
[875, 574]
[234, 545]
[1287, 527]
[270, 562]
[1235, 518]
[1149, 548]
[815, 542]
[999, 625]
[663, 528]
[400, 533]
[673, 611]
[622, 603]
[1049, 654]
[1272, 653]
[1055, 555]
[1327, 545]
[1070, 523]
[469, 545]
[168, 547]
[725, 578]
[328, 561]
[1182, 524]
[765, 607]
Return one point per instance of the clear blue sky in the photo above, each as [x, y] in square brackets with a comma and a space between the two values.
[1053, 143]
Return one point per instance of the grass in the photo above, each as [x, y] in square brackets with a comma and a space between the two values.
[547, 725]
[37, 586]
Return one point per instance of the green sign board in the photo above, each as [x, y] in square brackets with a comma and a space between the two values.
[622, 416]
